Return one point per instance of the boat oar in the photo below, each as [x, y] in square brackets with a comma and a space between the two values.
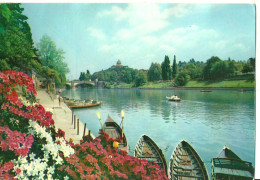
[99, 118]
[123, 115]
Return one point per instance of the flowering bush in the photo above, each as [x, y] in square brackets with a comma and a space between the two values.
[34, 149]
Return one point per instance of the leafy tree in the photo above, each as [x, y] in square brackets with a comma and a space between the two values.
[155, 72]
[193, 70]
[16, 45]
[206, 71]
[52, 57]
[140, 79]
[247, 68]
[219, 70]
[174, 68]
[252, 62]
[166, 69]
[181, 79]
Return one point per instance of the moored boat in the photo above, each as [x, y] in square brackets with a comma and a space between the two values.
[114, 131]
[229, 166]
[185, 163]
[174, 98]
[147, 149]
[75, 104]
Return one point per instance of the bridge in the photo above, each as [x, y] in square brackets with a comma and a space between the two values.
[73, 84]
[98, 84]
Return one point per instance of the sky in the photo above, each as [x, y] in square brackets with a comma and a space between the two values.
[94, 36]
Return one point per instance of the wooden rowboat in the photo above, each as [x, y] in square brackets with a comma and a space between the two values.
[185, 163]
[229, 166]
[83, 105]
[177, 99]
[147, 149]
[114, 131]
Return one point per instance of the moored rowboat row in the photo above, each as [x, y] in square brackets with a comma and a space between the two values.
[185, 163]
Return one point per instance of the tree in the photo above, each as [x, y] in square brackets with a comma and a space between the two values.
[166, 69]
[252, 62]
[174, 67]
[206, 71]
[193, 70]
[219, 70]
[247, 68]
[51, 56]
[140, 79]
[155, 72]
[181, 79]
[16, 44]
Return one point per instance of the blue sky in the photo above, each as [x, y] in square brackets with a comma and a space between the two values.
[95, 36]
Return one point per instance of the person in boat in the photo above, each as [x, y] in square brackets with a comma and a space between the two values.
[173, 96]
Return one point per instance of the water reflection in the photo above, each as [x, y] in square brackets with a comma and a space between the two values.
[207, 120]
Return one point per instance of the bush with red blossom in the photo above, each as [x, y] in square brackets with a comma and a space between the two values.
[32, 148]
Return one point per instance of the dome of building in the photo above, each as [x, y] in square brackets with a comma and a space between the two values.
[118, 63]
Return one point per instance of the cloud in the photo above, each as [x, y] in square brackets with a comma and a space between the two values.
[97, 33]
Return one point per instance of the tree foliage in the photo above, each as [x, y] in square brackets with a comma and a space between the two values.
[155, 72]
[166, 68]
[52, 58]
[16, 44]
[140, 79]
[174, 68]
[182, 79]
[207, 75]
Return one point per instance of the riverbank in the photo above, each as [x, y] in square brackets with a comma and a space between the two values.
[62, 116]
[228, 84]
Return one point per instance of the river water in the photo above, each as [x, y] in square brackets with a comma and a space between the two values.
[207, 120]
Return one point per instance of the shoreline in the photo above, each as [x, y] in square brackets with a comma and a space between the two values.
[62, 116]
[189, 88]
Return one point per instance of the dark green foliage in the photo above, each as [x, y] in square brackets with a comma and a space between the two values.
[247, 68]
[166, 69]
[140, 79]
[16, 45]
[154, 72]
[193, 70]
[181, 79]
[84, 76]
[4, 65]
[207, 69]
[174, 68]
[252, 62]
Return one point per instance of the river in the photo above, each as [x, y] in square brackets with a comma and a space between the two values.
[207, 120]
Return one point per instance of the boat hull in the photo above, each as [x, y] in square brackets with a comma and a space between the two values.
[229, 166]
[185, 163]
[147, 149]
[173, 99]
[74, 106]
[114, 131]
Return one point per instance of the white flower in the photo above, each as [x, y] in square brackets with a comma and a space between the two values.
[66, 178]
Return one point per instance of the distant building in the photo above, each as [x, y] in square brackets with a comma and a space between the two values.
[119, 65]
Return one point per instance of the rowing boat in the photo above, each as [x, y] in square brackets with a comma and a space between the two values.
[185, 163]
[75, 105]
[147, 149]
[173, 98]
[114, 131]
[229, 166]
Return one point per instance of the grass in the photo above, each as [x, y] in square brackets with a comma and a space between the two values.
[192, 84]
[221, 84]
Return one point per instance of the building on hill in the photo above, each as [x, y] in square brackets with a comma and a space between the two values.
[119, 65]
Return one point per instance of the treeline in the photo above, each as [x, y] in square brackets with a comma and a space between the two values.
[213, 69]
[117, 74]
[178, 72]
[18, 52]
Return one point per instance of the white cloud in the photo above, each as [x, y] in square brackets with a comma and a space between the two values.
[97, 33]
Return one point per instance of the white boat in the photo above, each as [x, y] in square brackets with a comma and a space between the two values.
[173, 98]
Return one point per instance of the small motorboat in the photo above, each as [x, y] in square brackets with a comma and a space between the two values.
[185, 163]
[229, 166]
[173, 98]
[114, 131]
[147, 149]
